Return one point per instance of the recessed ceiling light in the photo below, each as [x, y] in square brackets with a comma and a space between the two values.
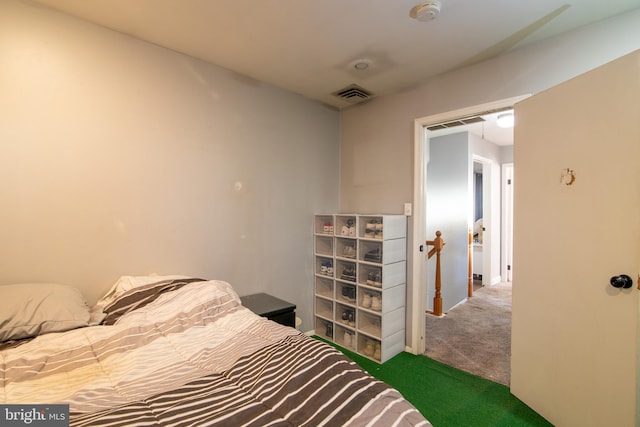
[361, 64]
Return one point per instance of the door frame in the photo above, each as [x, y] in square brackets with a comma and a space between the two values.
[489, 217]
[418, 292]
[506, 263]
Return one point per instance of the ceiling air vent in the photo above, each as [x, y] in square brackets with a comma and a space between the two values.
[454, 123]
[353, 94]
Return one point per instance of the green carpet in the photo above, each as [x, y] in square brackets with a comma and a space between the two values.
[448, 397]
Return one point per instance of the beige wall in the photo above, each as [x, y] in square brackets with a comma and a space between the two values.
[118, 157]
[377, 138]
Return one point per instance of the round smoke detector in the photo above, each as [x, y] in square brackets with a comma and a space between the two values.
[426, 11]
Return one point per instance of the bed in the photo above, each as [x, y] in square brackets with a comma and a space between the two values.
[179, 351]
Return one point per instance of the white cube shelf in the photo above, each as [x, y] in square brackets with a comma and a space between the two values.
[382, 227]
[346, 248]
[372, 325]
[360, 299]
[382, 252]
[382, 276]
[324, 245]
[346, 271]
[381, 300]
[324, 266]
[324, 287]
[346, 225]
[346, 293]
[324, 328]
[324, 224]
[345, 337]
[324, 308]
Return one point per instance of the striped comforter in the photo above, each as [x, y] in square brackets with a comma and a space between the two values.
[193, 357]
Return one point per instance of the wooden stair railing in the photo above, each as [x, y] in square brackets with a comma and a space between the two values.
[438, 243]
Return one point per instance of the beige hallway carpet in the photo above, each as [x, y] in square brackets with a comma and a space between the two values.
[475, 336]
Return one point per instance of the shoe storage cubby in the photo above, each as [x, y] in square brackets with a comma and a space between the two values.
[345, 337]
[346, 293]
[324, 328]
[383, 252]
[382, 276]
[346, 271]
[346, 315]
[324, 225]
[346, 225]
[346, 248]
[324, 308]
[324, 287]
[360, 282]
[324, 265]
[324, 246]
[372, 325]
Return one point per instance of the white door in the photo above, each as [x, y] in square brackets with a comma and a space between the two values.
[576, 224]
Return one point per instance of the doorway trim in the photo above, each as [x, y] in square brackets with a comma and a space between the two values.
[489, 216]
[418, 292]
[506, 264]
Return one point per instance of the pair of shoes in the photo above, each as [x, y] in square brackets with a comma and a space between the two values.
[373, 229]
[348, 273]
[373, 255]
[327, 228]
[326, 268]
[371, 301]
[349, 229]
[349, 293]
[349, 251]
[374, 278]
[369, 348]
[348, 317]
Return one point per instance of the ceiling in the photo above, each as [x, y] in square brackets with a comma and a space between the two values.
[310, 47]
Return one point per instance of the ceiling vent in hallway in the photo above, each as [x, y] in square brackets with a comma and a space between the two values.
[353, 94]
[459, 122]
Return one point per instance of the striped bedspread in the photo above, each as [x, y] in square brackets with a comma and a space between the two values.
[196, 357]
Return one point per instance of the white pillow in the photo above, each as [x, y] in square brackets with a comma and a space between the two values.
[31, 309]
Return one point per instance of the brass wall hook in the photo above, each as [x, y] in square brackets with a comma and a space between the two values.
[568, 176]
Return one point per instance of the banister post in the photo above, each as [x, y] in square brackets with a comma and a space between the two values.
[438, 244]
[437, 299]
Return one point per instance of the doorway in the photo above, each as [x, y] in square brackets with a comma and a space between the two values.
[482, 222]
[420, 271]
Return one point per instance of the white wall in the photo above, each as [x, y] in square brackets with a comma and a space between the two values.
[382, 129]
[449, 204]
[118, 157]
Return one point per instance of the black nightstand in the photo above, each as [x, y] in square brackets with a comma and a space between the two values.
[272, 308]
